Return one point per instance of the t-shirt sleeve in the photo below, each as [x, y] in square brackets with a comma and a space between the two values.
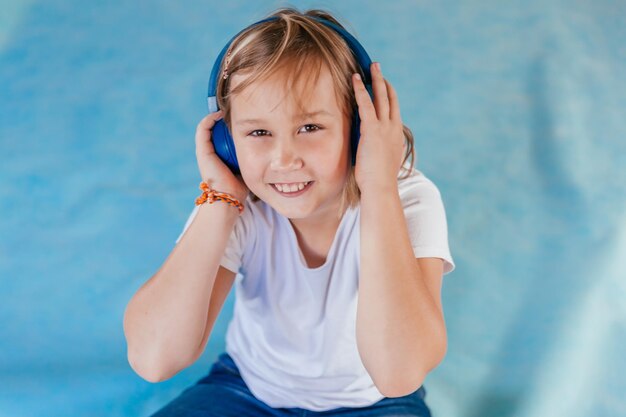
[426, 219]
[239, 237]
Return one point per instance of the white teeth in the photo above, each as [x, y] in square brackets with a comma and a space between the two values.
[286, 188]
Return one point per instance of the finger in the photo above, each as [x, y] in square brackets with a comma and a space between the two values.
[203, 130]
[363, 99]
[381, 100]
[394, 104]
[209, 120]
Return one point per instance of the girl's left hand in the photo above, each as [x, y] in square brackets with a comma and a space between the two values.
[381, 145]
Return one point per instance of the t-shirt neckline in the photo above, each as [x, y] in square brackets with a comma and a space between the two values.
[296, 245]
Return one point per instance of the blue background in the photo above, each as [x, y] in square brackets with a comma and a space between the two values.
[519, 115]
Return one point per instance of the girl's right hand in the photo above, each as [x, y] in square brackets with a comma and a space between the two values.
[211, 167]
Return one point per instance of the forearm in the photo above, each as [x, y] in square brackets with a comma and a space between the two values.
[400, 331]
[165, 320]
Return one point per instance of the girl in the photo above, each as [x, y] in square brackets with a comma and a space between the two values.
[338, 265]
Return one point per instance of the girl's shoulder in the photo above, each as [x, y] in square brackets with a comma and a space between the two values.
[416, 183]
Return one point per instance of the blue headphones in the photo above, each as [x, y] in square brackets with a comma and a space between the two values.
[221, 137]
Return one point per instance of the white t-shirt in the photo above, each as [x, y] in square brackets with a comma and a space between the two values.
[293, 331]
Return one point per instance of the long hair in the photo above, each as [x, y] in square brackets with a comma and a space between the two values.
[297, 46]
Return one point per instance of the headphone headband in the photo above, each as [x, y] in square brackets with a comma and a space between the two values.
[359, 52]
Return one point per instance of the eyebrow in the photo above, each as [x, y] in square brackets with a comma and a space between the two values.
[301, 116]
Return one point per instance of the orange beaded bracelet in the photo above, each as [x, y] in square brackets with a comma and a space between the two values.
[212, 195]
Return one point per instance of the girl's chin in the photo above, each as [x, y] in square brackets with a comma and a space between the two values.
[291, 207]
[284, 208]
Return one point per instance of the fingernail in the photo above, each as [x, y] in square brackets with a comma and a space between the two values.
[378, 66]
[358, 76]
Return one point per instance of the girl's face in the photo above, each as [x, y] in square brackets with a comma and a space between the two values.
[277, 142]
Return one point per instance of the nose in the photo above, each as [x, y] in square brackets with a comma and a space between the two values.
[285, 156]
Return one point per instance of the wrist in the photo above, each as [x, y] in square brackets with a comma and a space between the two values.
[212, 195]
[379, 188]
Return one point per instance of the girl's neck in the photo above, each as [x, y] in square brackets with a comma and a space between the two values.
[315, 238]
[318, 230]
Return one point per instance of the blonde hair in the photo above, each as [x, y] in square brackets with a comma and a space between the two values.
[297, 46]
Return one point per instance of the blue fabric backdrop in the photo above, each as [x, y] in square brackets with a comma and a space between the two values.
[519, 115]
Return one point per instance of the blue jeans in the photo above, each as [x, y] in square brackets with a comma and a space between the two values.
[223, 393]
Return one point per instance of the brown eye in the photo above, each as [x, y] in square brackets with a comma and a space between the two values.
[315, 127]
[258, 130]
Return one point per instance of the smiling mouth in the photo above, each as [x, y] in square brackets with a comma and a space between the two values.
[286, 190]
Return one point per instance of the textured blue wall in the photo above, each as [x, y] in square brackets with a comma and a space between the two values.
[519, 115]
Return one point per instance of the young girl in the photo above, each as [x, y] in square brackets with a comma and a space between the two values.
[337, 259]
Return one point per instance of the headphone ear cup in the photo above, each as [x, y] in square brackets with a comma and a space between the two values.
[355, 134]
[225, 146]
